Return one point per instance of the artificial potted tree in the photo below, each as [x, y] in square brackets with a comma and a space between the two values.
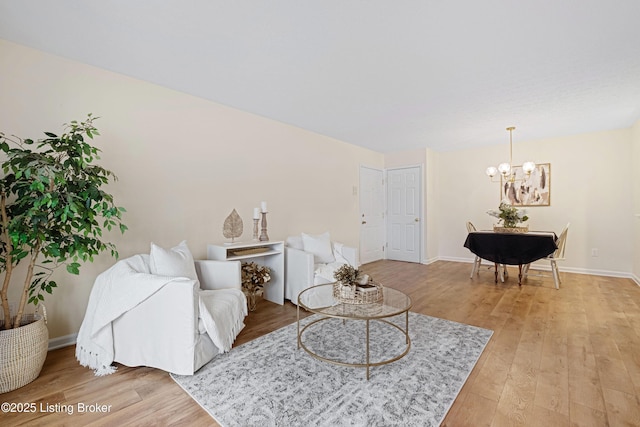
[53, 212]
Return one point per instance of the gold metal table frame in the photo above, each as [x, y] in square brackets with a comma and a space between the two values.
[319, 300]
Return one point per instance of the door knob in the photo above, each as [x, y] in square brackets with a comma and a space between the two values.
[364, 222]
[417, 220]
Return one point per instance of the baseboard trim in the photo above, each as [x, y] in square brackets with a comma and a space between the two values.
[65, 341]
[546, 267]
[454, 259]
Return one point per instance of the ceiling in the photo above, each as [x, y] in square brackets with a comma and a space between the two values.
[387, 75]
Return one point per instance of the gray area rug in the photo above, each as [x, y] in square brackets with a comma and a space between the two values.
[269, 382]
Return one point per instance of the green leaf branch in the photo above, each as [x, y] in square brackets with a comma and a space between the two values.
[52, 208]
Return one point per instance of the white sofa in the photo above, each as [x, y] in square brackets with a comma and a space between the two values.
[175, 320]
[312, 260]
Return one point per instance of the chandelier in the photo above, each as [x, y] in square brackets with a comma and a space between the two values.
[506, 169]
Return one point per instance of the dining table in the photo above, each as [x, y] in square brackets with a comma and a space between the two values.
[511, 248]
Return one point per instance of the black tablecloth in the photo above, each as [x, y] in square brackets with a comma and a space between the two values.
[511, 248]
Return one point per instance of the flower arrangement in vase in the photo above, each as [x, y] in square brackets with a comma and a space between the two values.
[354, 287]
[349, 277]
[254, 278]
[510, 217]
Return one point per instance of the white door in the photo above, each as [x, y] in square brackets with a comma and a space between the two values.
[371, 215]
[404, 214]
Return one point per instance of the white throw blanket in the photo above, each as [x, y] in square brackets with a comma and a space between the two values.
[324, 272]
[115, 291]
[222, 312]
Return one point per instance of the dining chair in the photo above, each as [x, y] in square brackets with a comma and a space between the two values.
[477, 262]
[557, 255]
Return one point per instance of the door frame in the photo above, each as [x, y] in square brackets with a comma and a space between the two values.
[384, 208]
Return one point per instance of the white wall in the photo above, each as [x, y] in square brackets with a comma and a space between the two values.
[183, 163]
[433, 201]
[590, 187]
[635, 180]
[594, 198]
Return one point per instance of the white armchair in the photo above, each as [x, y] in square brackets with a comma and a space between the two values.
[138, 317]
[312, 260]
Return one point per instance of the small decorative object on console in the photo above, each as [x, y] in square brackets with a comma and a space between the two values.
[232, 227]
[264, 237]
[256, 219]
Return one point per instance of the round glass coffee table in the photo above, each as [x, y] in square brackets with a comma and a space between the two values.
[319, 300]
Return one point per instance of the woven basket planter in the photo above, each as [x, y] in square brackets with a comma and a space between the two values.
[22, 352]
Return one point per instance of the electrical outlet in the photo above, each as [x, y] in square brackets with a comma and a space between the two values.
[594, 252]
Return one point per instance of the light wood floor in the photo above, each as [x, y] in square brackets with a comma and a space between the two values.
[557, 358]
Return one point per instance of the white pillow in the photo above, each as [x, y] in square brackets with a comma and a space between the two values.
[319, 246]
[174, 262]
[295, 242]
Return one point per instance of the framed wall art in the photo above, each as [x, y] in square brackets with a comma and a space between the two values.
[534, 190]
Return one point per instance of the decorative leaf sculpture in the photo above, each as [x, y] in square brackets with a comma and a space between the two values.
[232, 226]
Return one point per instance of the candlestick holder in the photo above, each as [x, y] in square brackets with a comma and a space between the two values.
[264, 237]
[255, 228]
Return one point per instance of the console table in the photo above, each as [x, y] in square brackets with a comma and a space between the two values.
[269, 254]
